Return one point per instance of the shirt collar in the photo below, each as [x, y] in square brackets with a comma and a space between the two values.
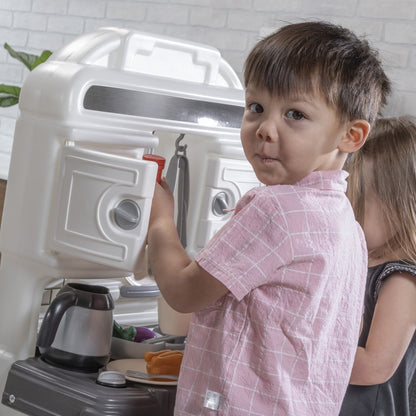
[326, 179]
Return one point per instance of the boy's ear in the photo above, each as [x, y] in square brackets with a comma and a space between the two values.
[355, 136]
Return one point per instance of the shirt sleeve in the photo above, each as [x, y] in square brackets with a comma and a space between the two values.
[391, 268]
[248, 250]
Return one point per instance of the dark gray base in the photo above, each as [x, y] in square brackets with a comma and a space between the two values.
[37, 388]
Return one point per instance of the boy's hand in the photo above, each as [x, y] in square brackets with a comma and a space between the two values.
[163, 204]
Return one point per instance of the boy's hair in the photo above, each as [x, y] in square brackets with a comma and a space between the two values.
[391, 149]
[319, 57]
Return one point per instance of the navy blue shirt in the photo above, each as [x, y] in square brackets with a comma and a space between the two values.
[392, 397]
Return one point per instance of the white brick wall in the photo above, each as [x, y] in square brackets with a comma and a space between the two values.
[232, 26]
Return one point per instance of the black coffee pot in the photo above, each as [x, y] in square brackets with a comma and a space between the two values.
[77, 328]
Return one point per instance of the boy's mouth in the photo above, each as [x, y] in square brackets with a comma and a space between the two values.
[267, 158]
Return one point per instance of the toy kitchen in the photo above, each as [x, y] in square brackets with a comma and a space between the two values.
[93, 121]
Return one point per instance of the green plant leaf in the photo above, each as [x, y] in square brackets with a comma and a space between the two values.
[42, 58]
[10, 89]
[29, 60]
[9, 95]
[8, 100]
[26, 59]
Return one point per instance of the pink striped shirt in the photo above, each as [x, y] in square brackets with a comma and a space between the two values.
[282, 342]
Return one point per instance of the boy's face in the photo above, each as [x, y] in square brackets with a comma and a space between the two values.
[285, 139]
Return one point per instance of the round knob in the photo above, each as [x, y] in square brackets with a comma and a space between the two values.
[127, 214]
[219, 204]
[111, 379]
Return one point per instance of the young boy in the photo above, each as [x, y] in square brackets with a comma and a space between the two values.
[277, 293]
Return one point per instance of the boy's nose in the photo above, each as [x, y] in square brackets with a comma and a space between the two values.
[267, 131]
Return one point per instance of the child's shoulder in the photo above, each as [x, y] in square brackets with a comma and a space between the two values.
[379, 273]
[389, 267]
[295, 196]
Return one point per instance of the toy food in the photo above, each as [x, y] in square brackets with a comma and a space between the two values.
[132, 333]
[163, 362]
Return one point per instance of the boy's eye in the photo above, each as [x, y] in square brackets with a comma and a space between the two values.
[295, 115]
[255, 108]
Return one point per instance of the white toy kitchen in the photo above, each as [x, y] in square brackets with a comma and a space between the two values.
[79, 192]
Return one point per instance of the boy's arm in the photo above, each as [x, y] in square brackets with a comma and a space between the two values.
[391, 331]
[184, 284]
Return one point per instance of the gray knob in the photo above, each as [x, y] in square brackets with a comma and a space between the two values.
[111, 379]
[219, 204]
[127, 214]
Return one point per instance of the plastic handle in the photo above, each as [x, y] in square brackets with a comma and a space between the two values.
[53, 317]
[160, 160]
[139, 291]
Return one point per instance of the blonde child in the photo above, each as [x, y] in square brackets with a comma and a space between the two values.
[382, 189]
[277, 293]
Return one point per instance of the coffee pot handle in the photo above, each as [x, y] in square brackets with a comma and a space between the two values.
[53, 317]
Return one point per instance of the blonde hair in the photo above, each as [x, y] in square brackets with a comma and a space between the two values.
[391, 147]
